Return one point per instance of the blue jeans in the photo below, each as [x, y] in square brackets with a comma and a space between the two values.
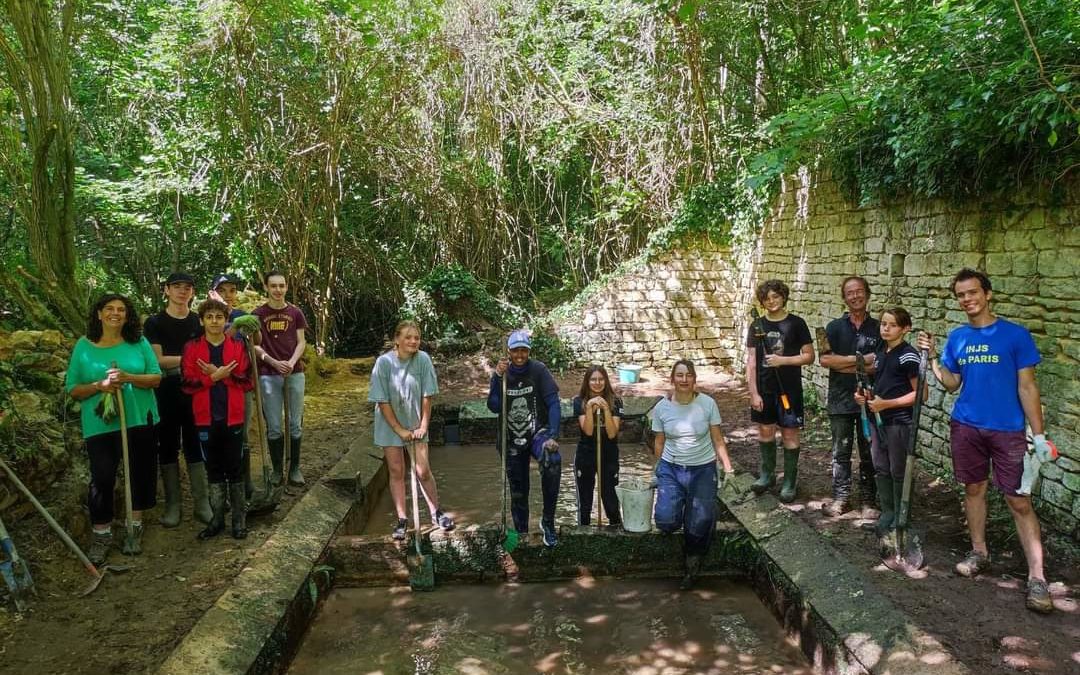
[274, 388]
[686, 498]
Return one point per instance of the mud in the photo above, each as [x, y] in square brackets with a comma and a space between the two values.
[589, 626]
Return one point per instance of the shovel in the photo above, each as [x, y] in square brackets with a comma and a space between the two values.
[15, 572]
[97, 574]
[266, 500]
[510, 535]
[421, 568]
[909, 550]
[599, 487]
[131, 542]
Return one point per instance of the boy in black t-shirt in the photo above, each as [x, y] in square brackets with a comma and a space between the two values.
[894, 396]
[167, 332]
[778, 345]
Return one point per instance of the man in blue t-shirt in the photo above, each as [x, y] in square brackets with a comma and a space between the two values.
[532, 429]
[992, 362]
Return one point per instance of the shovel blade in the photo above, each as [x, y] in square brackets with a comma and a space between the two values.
[421, 572]
[908, 557]
[510, 542]
[92, 586]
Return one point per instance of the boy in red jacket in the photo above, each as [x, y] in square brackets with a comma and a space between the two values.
[215, 374]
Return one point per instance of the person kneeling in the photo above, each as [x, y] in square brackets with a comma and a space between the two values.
[215, 374]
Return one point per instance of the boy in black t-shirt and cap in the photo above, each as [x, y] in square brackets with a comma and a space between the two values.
[778, 346]
[532, 426]
[167, 332]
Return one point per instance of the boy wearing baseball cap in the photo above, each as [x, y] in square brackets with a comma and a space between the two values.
[532, 429]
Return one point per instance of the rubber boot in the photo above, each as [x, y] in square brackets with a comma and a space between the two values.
[200, 502]
[693, 566]
[887, 501]
[277, 459]
[170, 477]
[245, 468]
[239, 510]
[898, 496]
[217, 504]
[767, 476]
[791, 475]
[295, 477]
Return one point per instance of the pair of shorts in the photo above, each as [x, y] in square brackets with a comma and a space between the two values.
[976, 451]
[773, 411]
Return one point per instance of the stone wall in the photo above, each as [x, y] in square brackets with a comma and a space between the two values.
[1029, 245]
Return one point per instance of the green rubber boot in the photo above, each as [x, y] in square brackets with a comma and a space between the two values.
[898, 496]
[791, 475]
[170, 478]
[888, 502]
[767, 476]
[200, 498]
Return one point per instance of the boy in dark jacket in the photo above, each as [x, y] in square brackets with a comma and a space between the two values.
[215, 374]
[532, 429]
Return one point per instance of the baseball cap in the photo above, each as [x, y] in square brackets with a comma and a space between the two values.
[224, 279]
[519, 338]
[180, 278]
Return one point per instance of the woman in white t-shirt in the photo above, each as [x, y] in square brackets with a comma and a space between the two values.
[689, 443]
[402, 384]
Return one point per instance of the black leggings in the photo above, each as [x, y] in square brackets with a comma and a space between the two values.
[106, 452]
[177, 425]
[585, 478]
[222, 450]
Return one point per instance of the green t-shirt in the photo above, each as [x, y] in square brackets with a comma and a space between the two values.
[89, 363]
[404, 385]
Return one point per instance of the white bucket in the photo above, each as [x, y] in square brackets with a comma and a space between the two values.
[636, 502]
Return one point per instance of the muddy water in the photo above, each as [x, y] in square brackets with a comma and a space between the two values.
[586, 627]
[469, 483]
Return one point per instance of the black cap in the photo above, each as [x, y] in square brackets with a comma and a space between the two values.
[180, 278]
[224, 279]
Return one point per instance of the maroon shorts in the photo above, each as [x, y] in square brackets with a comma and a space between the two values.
[975, 451]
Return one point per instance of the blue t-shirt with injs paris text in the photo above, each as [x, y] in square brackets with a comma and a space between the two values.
[988, 360]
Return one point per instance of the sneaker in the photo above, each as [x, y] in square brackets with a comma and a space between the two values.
[99, 547]
[1038, 597]
[975, 563]
[550, 538]
[399, 529]
[442, 520]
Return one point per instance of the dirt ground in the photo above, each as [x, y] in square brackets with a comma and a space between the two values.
[133, 620]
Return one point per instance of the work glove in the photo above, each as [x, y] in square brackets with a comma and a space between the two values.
[1044, 449]
[247, 324]
[728, 486]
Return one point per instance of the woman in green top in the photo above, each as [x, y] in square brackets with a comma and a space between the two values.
[114, 357]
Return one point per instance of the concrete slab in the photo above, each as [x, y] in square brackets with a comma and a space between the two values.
[843, 624]
[254, 625]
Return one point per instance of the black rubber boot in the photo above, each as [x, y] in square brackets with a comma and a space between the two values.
[693, 566]
[791, 475]
[767, 475]
[295, 477]
[217, 505]
[239, 510]
[277, 459]
[170, 478]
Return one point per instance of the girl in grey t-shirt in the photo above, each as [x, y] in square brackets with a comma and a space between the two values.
[402, 384]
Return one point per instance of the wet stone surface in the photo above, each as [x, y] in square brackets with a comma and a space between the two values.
[586, 626]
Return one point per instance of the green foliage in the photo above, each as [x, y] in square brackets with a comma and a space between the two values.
[449, 302]
[551, 350]
[950, 100]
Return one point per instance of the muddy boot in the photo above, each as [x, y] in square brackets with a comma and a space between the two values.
[100, 543]
[245, 468]
[791, 475]
[217, 505]
[887, 501]
[295, 477]
[239, 511]
[200, 502]
[693, 566]
[170, 478]
[767, 475]
[277, 459]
